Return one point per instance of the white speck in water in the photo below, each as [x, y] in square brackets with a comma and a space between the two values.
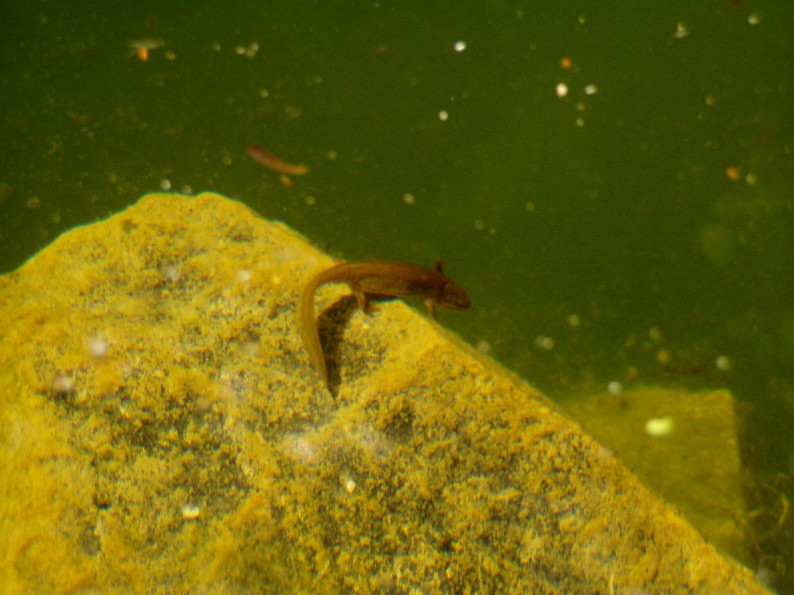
[443, 115]
[590, 90]
[663, 356]
[724, 363]
[681, 30]
[165, 184]
[659, 426]
[350, 485]
[460, 46]
[409, 198]
[252, 49]
[544, 343]
[615, 388]
[561, 89]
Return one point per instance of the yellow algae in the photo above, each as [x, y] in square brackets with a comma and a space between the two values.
[431, 470]
[696, 465]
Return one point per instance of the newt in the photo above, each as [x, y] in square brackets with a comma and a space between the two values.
[376, 278]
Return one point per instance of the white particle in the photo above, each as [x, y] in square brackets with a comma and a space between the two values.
[252, 49]
[350, 485]
[170, 272]
[165, 184]
[562, 89]
[545, 343]
[460, 46]
[62, 384]
[190, 512]
[97, 347]
[724, 363]
[663, 356]
[590, 90]
[244, 276]
[754, 18]
[409, 198]
[659, 426]
[615, 388]
[443, 115]
[681, 30]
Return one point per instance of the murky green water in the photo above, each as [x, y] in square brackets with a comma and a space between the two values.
[636, 225]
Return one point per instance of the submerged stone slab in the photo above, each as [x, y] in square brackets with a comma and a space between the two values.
[161, 429]
[694, 463]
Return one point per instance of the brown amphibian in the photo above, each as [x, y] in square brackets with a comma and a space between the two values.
[376, 278]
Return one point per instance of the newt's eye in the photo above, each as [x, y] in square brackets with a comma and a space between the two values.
[454, 297]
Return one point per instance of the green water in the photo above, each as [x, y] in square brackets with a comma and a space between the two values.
[597, 232]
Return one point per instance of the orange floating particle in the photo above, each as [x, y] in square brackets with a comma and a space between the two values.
[566, 62]
[143, 47]
[733, 172]
[285, 181]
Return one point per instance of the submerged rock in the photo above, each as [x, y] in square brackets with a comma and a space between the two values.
[161, 429]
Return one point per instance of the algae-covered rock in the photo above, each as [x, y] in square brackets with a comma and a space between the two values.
[694, 462]
[161, 429]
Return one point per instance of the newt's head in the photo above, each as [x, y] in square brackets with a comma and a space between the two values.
[453, 296]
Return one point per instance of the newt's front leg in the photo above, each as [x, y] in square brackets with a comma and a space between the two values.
[361, 297]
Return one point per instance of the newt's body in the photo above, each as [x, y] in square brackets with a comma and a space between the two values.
[382, 278]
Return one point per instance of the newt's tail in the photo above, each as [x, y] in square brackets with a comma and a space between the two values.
[307, 328]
